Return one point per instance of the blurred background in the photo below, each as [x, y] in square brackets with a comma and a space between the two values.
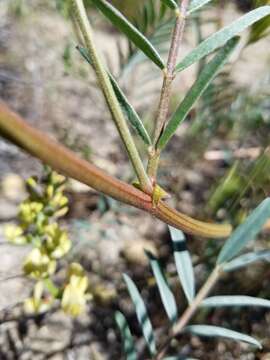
[217, 167]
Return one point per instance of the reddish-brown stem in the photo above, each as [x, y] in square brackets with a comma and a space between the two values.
[163, 108]
[35, 142]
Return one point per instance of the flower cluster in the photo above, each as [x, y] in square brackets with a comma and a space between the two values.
[38, 225]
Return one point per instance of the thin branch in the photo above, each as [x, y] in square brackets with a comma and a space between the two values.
[114, 106]
[191, 309]
[168, 77]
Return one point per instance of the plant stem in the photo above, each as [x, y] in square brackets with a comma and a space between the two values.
[168, 77]
[37, 143]
[53, 290]
[104, 81]
[191, 309]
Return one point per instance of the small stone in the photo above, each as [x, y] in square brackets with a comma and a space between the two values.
[78, 187]
[8, 210]
[134, 252]
[13, 188]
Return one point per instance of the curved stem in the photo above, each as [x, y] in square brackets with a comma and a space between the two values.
[60, 158]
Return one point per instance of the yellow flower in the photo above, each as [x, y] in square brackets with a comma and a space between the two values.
[29, 211]
[57, 243]
[38, 264]
[50, 191]
[57, 179]
[36, 304]
[59, 200]
[74, 296]
[14, 234]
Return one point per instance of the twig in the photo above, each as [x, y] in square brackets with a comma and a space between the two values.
[168, 77]
[117, 114]
[191, 309]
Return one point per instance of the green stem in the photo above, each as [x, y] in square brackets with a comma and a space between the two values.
[53, 290]
[117, 114]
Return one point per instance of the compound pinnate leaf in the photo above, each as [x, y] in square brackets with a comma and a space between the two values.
[204, 79]
[219, 38]
[133, 34]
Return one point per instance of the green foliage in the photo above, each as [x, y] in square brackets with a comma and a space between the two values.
[171, 4]
[128, 109]
[155, 22]
[196, 5]
[238, 300]
[222, 36]
[142, 315]
[127, 338]
[18, 8]
[247, 259]
[166, 294]
[261, 28]
[216, 331]
[183, 263]
[130, 31]
[204, 79]
[244, 233]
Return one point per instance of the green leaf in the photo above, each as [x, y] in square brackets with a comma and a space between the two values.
[131, 113]
[142, 315]
[259, 30]
[196, 5]
[183, 263]
[219, 38]
[213, 331]
[128, 109]
[247, 259]
[166, 294]
[159, 39]
[127, 338]
[133, 34]
[246, 232]
[170, 3]
[204, 79]
[237, 300]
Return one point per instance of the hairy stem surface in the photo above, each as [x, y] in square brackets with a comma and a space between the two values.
[164, 102]
[114, 106]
